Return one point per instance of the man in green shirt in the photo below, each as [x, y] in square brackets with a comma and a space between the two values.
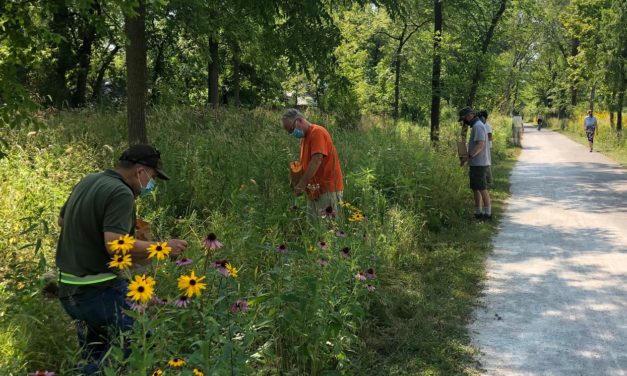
[101, 209]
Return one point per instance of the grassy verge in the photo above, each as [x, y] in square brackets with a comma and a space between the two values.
[229, 176]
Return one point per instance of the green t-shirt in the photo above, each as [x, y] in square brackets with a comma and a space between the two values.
[100, 202]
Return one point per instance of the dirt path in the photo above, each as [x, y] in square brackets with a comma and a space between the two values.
[556, 296]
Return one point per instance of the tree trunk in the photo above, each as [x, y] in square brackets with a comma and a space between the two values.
[574, 50]
[97, 85]
[397, 72]
[619, 109]
[56, 84]
[436, 92]
[213, 73]
[592, 96]
[135, 29]
[157, 71]
[476, 77]
[84, 61]
[236, 75]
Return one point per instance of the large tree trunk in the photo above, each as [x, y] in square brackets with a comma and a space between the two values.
[56, 84]
[135, 29]
[97, 85]
[84, 57]
[157, 71]
[214, 71]
[476, 77]
[236, 75]
[436, 91]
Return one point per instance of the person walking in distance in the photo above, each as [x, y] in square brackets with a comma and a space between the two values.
[591, 127]
[517, 128]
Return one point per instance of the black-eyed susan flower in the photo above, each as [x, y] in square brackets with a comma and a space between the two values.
[344, 204]
[197, 372]
[231, 270]
[141, 288]
[176, 362]
[121, 261]
[158, 372]
[123, 244]
[160, 250]
[191, 284]
[211, 242]
[356, 217]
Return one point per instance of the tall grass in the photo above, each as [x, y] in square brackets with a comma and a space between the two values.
[229, 176]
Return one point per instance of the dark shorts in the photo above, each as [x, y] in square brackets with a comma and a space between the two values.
[478, 177]
[590, 134]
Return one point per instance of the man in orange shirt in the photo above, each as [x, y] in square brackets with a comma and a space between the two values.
[322, 175]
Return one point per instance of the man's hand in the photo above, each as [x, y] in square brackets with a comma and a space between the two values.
[178, 246]
[463, 159]
[299, 189]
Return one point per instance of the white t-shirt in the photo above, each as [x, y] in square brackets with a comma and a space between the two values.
[488, 129]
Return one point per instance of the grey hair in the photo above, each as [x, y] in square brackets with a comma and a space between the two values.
[292, 114]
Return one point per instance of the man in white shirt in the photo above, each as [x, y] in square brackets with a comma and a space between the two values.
[517, 128]
[591, 128]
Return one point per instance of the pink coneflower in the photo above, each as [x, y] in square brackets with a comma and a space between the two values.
[41, 373]
[323, 262]
[346, 251]
[220, 266]
[340, 234]
[239, 306]
[365, 236]
[328, 212]
[157, 300]
[137, 307]
[184, 261]
[294, 207]
[360, 276]
[281, 249]
[370, 274]
[211, 242]
[370, 288]
[182, 301]
[322, 244]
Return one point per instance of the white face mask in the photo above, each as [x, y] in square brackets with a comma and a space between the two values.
[149, 186]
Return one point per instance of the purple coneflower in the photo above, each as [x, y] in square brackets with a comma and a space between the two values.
[157, 300]
[370, 274]
[182, 302]
[328, 212]
[137, 307]
[360, 276]
[323, 262]
[370, 288]
[239, 306]
[41, 373]
[346, 251]
[322, 244]
[211, 242]
[340, 234]
[184, 261]
[281, 249]
[220, 266]
[294, 207]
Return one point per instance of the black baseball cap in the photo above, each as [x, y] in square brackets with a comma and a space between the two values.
[146, 155]
[465, 111]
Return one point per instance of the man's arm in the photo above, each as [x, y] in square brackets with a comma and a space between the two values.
[138, 253]
[312, 168]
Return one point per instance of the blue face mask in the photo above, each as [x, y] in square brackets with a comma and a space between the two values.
[148, 188]
[298, 133]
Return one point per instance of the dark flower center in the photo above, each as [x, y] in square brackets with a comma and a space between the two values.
[346, 249]
[120, 241]
[282, 246]
[159, 248]
[192, 282]
[140, 289]
[323, 244]
[329, 210]
[120, 258]
[211, 237]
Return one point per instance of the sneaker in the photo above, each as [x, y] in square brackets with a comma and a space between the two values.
[486, 217]
[479, 217]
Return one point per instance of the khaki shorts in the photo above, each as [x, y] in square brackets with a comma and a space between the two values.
[325, 200]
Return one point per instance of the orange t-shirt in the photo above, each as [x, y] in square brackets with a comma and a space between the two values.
[329, 175]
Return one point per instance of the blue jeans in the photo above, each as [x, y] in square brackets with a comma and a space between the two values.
[99, 318]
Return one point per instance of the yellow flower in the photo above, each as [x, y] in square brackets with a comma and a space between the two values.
[121, 261]
[123, 244]
[197, 372]
[160, 250]
[356, 217]
[344, 204]
[141, 288]
[231, 270]
[158, 372]
[311, 248]
[176, 362]
[191, 284]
